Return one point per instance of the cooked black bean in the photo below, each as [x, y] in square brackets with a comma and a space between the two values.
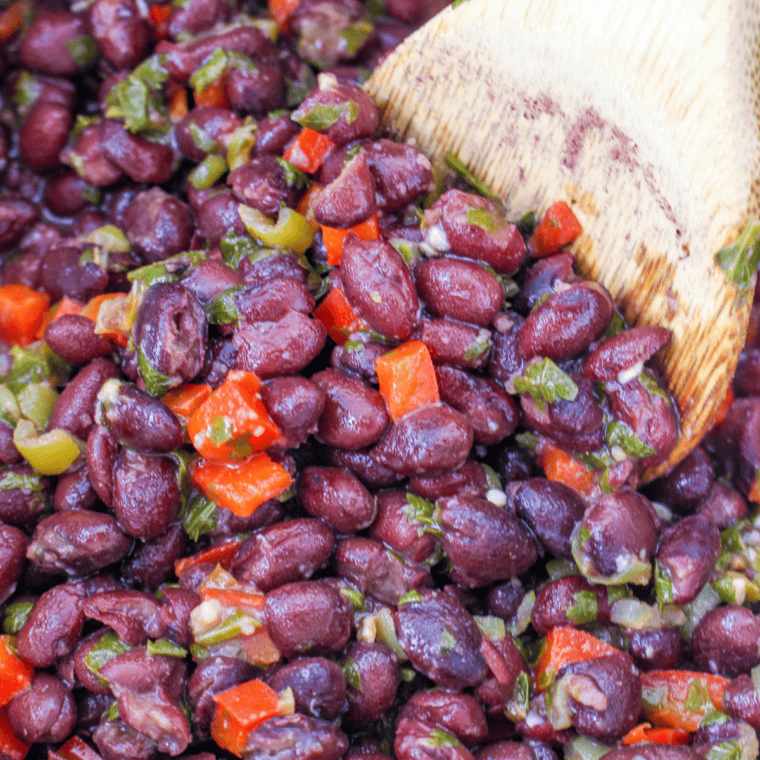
[654, 649]
[398, 527]
[17, 217]
[337, 497]
[116, 740]
[153, 561]
[318, 684]
[468, 480]
[483, 542]
[136, 419]
[270, 301]
[378, 571]
[197, 16]
[288, 551]
[687, 483]
[428, 440]
[73, 337]
[420, 740]
[45, 712]
[209, 278]
[133, 615]
[379, 286]
[275, 131]
[295, 405]
[653, 752]
[458, 713]
[78, 542]
[504, 599]
[43, 135]
[506, 361]
[177, 605]
[570, 600]
[121, 33]
[372, 674]
[742, 700]
[307, 617]
[146, 494]
[13, 544]
[203, 130]
[505, 664]
[361, 463]
[723, 505]
[359, 357]
[258, 91]
[263, 185]
[451, 342]
[102, 455]
[86, 157]
[624, 351]
[725, 641]
[46, 45]
[296, 736]
[349, 198]
[139, 158]
[84, 675]
[542, 279]
[54, 625]
[511, 750]
[217, 215]
[23, 495]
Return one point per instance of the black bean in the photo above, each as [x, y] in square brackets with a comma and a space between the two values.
[402, 173]
[209, 278]
[17, 217]
[73, 337]
[23, 495]
[459, 713]
[45, 46]
[397, 526]
[297, 736]
[203, 130]
[742, 701]
[13, 544]
[505, 664]
[555, 602]
[115, 740]
[176, 608]
[725, 641]
[62, 273]
[506, 361]
[657, 649]
[723, 505]
[121, 33]
[363, 466]
[262, 184]
[687, 483]
[542, 279]
[86, 157]
[153, 562]
[270, 301]
[258, 91]
[197, 16]
[45, 712]
[419, 740]
[217, 215]
[84, 675]
[139, 158]
[624, 351]
[102, 454]
[373, 679]
[337, 497]
[468, 480]
[295, 405]
[133, 615]
[274, 133]
[43, 135]
[318, 684]
[451, 342]
[349, 198]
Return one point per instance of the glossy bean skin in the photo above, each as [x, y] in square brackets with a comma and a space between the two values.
[318, 684]
[297, 736]
[542, 279]
[275, 131]
[349, 198]
[653, 752]
[458, 713]
[176, 606]
[429, 440]
[510, 750]
[488, 407]
[337, 497]
[43, 134]
[552, 510]
[23, 496]
[171, 332]
[197, 16]
[565, 324]
[468, 480]
[146, 493]
[13, 543]
[288, 551]
[451, 342]
[153, 561]
[420, 740]
[209, 278]
[121, 33]
[723, 505]
[44, 46]
[657, 649]
[77, 542]
[295, 405]
[17, 217]
[396, 526]
[9, 454]
[421, 627]
[505, 664]
[354, 416]
[307, 617]
[742, 701]
[210, 123]
[359, 359]
[504, 599]
[376, 571]
[45, 712]
[687, 553]
[459, 289]
[687, 483]
[54, 625]
[556, 600]
[73, 337]
[85, 155]
[624, 351]
[373, 682]
[379, 286]
[133, 615]
[261, 184]
[218, 214]
[116, 740]
[66, 194]
[270, 301]
[483, 542]
[102, 455]
[506, 360]
[363, 466]
[725, 641]
[256, 92]
[137, 420]
[140, 159]
[61, 273]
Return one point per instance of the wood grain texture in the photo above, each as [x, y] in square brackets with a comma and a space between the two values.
[643, 115]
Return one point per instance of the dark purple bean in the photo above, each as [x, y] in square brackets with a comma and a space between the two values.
[54, 625]
[747, 376]
[77, 542]
[89, 161]
[337, 497]
[657, 649]
[75, 408]
[297, 736]
[177, 605]
[354, 123]
[624, 351]
[23, 495]
[90, 707]
[262, 184]
[506, 361]
[359, 357]
[441, 640]
[102, 454]
[419, 740]
[203, 130]
[73, 337]
[379, 286]
[220, 359]
[468, 480]
[604, 696]
[565, 324]
[295, 405]
[122, 34]
[459, 289]
[146, 494]
[133, 615]
[725, 641]
[17, 217]
[271, 265]
[349, 198]
[373, 679]
[170, 330]
[365, 468]
[283, 553]
[44, 134]
[653, 752]
[483, 542]
[505, 664]
[270, 301]
[274, 133]
[542, 279]
[307, 617]
[209, 278]
[228, 524]
[429, 440]
[622, 536]
[211, 676]
[198, 16]
[742, 701]
[458, 713]
[378, 571]
[85, 677]
[47, 45]
[723, 505]
[137, 420]
[488, 237]
[510, 750]
[505, 598]
[256, 91]
[555, 602]
[158, 225]
[140, 159]
[354, 416]
[687, 554]
[318, 684]
[153, 562]
[714, 738]
[650, 415]
[488, 407]
[62, 273]
[687, 483]
[397, 526]
[451, 342]
[74, 491]
[217, 215]
[115, 740]
[45, 712]
[12, 552]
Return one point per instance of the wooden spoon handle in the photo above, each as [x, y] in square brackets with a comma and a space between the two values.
[643, 115]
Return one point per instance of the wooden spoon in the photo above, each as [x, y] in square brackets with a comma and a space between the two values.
[643, 115]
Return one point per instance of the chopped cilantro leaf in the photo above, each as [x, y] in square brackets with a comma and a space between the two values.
[546, 382]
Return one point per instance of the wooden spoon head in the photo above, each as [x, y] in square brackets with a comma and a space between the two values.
[619, 112]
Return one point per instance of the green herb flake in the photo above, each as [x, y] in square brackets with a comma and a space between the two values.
[129, 100]
[725, 751]
[714, 717]
[353, 346]
[491, 626]
[663, 585]
[584, 609]
[740, 259]
[410, 597]
[83, 50]
[527, 441]
[619, 434]
[294, 177]
[353, 674]
[440, 738]
[649, 381]
[464, 173]
[200, 517]
[234, 247]
[108, 647]
[156, 383]
[202, 140]
[15, 616]
[519, 705]
[698, 698]
[527, 223]
[654, 698]
[321, 117]
[546, 382]
[211, 71]
[111, 713]
[152, 71]
[27, 90]
[407, 675]
[478, 347]
[421, 512]
[617, 325]
[354, 36]
[166, 648]
[482, 218]
[223, 309]
[354, 596]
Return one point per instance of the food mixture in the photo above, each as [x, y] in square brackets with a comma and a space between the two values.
[310, 451]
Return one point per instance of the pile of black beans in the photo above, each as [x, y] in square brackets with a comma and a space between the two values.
[418, 574]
